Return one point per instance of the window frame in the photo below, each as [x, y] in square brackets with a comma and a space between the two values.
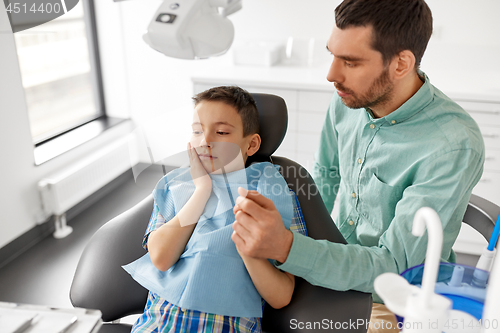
[95, 74]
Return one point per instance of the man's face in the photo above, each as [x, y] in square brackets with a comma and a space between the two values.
[357, 70]
[218, 137]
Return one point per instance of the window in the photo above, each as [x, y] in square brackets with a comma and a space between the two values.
[59, 66]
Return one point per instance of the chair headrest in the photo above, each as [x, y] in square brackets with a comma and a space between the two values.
[273, 122]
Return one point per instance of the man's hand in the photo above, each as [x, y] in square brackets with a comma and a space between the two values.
[258, 230]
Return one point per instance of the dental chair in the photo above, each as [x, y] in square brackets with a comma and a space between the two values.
[481, 215]
[101, 283]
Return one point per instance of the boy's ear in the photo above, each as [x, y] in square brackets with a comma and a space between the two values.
[254, 144]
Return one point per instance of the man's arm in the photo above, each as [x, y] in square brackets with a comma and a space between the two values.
[444, 184]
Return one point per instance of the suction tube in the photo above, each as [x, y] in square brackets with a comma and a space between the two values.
[485, 262]
[494, 235]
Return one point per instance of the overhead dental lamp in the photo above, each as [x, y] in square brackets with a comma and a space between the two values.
[192, 29]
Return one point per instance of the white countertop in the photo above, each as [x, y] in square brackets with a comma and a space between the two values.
[279, 76]
[478, 85]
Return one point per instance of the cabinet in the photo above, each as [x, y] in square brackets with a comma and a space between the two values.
[487, 116]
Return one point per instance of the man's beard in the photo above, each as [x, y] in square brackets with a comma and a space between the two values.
[380, 92]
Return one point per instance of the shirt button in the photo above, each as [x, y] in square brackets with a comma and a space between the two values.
[351, 222]
[360, 161]
[372, 126]
[393, 122]
[353, 195]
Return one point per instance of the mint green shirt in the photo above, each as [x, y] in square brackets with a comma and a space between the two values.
[429, 152]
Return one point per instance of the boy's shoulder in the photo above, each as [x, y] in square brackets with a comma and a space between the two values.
[179, 174]
[263, 166]
[262, 169]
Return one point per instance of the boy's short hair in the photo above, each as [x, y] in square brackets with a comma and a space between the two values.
[238, 98]
[397, 24]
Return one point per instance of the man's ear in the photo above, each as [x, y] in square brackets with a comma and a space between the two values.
[253, 144]
[403, 64]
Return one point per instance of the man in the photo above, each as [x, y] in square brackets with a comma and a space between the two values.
[391, 144]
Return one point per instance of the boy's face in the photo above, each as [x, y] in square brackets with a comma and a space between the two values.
[218, 137]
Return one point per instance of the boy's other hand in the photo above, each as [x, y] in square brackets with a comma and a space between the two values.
[200, 176]
[258, 230]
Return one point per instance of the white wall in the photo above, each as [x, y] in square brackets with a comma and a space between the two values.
[15, 141]
[463, 52]
[158, 82]
[144, 84]
[19, 199]
[466, 22]
[465, 46]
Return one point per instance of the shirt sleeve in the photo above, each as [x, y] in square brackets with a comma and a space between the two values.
[325, 171]
[159, 217]
[298, 224]
[444, 183]
[155, 221]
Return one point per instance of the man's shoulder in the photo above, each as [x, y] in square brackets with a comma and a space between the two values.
[457, 128]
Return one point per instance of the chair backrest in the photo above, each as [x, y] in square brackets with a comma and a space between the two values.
[481, 214]
[273, 122]
[310, 303]
[101, 283]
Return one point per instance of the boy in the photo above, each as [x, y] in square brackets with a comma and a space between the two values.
[197, 278]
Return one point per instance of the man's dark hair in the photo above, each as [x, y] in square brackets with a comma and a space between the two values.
[397, 24]
[238, 98]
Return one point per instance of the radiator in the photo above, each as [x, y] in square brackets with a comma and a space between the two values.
[66, 188]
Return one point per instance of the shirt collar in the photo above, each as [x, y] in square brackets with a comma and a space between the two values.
[411, 107]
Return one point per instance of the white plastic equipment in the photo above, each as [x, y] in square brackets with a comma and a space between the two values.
[192, 29]
[491, 313]
[424, 310]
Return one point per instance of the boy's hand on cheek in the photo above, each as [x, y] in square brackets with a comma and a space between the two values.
[201, 179]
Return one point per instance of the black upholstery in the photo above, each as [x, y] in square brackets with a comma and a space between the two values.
[101, 283]
[312, 303]
[273, 124]
[115, 328]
